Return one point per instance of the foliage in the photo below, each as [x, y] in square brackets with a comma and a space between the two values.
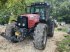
[60, 8]
[64, 45]
[61, 11]
[62, 28]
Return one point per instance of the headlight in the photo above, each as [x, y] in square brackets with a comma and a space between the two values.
[43, 18]
[19, 24]
[23, 24]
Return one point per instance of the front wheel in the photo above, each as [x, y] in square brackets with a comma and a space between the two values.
[9, 32]
[40, 36]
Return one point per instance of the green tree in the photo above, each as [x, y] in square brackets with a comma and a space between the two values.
[60, 8]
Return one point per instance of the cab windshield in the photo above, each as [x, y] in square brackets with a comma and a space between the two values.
[39, 10]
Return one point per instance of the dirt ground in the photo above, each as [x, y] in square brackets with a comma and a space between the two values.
[27, 45]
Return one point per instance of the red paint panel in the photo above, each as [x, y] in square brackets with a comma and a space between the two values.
[32, 19]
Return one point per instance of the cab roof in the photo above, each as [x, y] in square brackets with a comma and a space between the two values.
[40, 4]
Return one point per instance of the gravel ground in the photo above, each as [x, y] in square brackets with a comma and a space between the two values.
[27, 45]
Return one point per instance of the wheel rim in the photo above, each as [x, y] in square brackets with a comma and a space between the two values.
[44, 37]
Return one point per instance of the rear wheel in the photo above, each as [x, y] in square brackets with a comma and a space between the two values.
[51, 28]
[40, 36]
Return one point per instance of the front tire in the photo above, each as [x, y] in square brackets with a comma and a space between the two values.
[40, 36]
[9, 32]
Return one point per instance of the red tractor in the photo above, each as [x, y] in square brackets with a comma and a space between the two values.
[36, 24]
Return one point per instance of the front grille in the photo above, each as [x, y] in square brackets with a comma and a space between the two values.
[22, 22]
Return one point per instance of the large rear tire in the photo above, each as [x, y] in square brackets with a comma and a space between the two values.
[40, 36]
[9, 32]
[51, 28]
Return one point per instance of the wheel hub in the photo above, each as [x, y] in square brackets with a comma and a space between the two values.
[17, 33]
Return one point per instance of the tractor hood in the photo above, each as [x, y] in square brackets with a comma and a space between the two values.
[32, 16]
[32, 19]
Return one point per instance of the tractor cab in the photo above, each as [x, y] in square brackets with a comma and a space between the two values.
[39, 8]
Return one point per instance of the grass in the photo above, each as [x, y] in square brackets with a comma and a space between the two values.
[64, 45]
[64, 29]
